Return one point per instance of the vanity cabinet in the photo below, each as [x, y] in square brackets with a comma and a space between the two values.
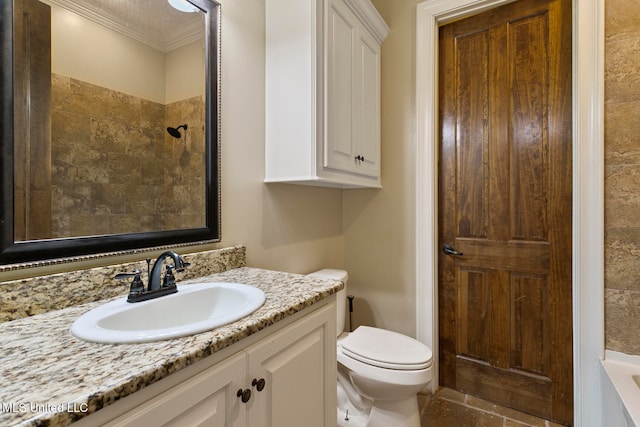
[208, 399]
[323, 92]
[298, 367]
[284, 379]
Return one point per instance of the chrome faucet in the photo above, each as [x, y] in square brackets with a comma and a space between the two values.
[157, 286]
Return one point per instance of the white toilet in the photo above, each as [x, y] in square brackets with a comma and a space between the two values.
[379, 372]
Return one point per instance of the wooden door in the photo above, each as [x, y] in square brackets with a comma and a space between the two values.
[505, 205]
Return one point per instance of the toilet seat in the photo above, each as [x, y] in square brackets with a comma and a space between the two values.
[386, 349]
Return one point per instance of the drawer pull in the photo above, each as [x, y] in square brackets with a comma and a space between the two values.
[259, 384]
[244, 395]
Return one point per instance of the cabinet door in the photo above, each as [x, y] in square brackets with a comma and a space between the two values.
[299, 369]
[208, 399]
[367, 107]
[353, 96]
[342, 30]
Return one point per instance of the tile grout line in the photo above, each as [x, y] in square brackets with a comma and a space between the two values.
[465, 400]
[505, 418]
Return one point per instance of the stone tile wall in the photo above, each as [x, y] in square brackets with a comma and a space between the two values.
[622, 176]
[115, 168]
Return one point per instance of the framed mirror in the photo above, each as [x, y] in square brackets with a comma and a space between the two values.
[110, 126]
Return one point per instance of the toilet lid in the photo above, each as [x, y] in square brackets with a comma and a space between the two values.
[386, 349]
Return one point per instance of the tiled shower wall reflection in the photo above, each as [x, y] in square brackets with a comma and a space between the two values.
[622, 176]
[116, 169]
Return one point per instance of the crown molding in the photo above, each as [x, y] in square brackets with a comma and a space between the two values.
[181, 37]
[370, 17]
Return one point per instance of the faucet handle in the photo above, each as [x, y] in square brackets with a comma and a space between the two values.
[169, 279]
[122, 276]
[137, 286]
[181, 265]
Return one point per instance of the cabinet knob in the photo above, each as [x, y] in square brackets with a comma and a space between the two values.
[259, 384]
[359, 158]
[244, 395]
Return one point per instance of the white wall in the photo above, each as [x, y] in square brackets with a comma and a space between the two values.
[285, 227]
[90, 52]
[184, 72]
[379, 225]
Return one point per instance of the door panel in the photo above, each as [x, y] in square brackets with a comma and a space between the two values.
[342, 42]
[298, 366]
[527, 44]
[368, 137]
[207, 399]
[505, 205]
[472, 141]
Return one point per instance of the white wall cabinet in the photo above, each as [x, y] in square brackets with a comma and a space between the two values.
[323, 92]
[288, 379]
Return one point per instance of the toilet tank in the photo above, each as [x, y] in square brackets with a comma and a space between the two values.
[341, 298]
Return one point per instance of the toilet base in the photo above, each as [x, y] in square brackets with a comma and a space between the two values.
[355, 410]
[397, 413]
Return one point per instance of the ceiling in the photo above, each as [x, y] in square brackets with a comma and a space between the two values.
[152, 22]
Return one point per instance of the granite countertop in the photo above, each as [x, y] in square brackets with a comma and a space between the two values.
[50, 377]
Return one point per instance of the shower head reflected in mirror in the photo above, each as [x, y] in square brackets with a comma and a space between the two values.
[175, 132]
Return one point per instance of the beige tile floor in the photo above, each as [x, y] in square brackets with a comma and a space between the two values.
[449, 408]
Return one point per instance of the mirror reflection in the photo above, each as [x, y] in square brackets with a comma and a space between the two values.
[109, 118]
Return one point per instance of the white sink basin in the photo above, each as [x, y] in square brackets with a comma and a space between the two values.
[193, 309]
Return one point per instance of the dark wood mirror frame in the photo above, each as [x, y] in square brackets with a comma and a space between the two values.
[12, 252]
